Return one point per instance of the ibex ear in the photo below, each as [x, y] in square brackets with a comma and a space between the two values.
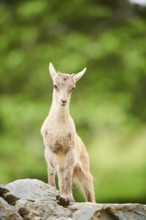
[52, 71]
[79, 75]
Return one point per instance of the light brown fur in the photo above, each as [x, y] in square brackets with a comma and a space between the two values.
[65, 152]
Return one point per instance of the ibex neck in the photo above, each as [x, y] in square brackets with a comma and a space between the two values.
[59, 112]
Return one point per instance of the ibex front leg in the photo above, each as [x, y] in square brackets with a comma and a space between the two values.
[50, 159]
[68, 174]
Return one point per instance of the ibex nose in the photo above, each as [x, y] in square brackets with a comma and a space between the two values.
[63, 101]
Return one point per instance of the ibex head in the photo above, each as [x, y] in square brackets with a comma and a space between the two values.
[64, 84]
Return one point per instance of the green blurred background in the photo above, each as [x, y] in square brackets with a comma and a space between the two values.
[109, 104]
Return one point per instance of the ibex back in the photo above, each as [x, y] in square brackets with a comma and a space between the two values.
[65, 152]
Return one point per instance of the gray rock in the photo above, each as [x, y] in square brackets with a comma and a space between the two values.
[31, 199]
[96, 211]
[32, 189]
[9, 197]
[45, 209]
[8, 212]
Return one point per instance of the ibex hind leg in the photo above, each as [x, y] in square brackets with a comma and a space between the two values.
[86, 180]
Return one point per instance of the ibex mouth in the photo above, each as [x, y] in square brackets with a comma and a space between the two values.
[63, 104]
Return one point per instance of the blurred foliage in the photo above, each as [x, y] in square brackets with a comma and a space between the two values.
[108, 106]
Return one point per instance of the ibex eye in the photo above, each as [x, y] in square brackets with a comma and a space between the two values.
[72, 89]
[55, 87]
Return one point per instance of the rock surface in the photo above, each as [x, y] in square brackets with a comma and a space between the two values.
[31, 199]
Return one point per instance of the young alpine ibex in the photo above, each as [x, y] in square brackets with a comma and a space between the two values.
[64, 149]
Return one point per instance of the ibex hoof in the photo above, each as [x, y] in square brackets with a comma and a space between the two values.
[65, 201]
